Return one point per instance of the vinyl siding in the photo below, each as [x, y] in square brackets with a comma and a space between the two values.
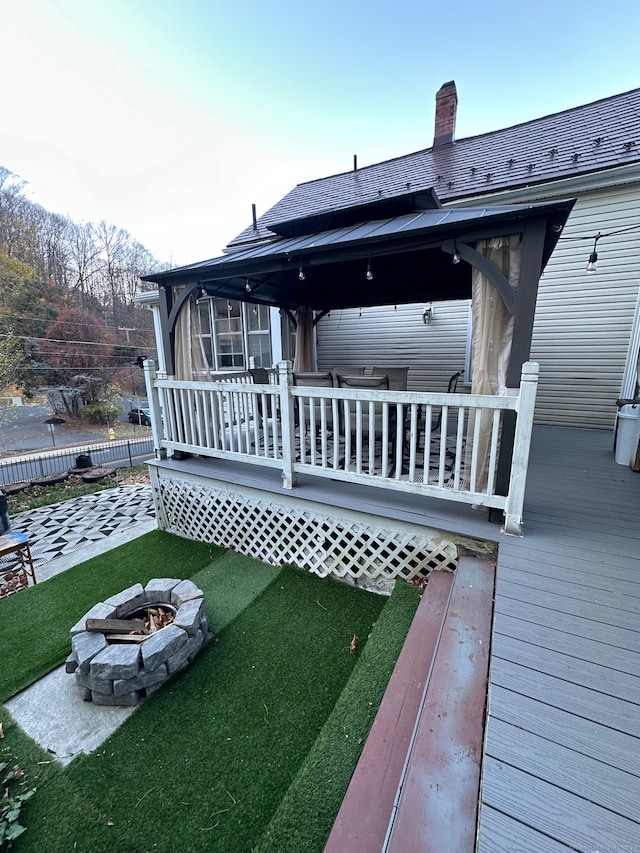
[581, 331]
[388, 336]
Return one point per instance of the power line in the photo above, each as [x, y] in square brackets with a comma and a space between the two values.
[49, 321]
[83, 343]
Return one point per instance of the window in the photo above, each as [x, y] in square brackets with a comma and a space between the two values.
[233, 332]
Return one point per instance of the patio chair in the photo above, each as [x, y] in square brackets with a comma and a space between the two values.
[346, 370]
[451, 389]
[436, 423]
[377, 383]
[397, 376]
[311, 380]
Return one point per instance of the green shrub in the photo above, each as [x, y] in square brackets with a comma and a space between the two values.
[101, 413]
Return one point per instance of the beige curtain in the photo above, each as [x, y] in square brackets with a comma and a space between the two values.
[190, 358]
[304, 361]
[492, 334]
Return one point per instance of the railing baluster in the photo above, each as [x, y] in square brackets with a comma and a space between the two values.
[233, 417]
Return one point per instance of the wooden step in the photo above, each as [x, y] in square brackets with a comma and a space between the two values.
[416, 785]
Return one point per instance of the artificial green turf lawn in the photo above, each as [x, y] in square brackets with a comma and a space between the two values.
[35, 623]
[306, 814]
[204, 763]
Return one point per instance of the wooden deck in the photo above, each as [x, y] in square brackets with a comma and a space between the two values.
[561, 768]
[561, 761]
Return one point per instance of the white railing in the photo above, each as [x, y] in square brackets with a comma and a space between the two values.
[438, 445]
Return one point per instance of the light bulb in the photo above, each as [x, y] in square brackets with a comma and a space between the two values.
[301, 275]
[593, 262]
[456, 257]
[369, 274]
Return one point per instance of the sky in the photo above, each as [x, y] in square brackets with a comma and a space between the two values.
[170, 118]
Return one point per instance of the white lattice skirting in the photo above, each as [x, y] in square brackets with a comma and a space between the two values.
[347, 544]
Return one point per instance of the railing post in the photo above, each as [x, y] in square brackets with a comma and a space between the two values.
[521, 448]
[287, 420]
[154, 405]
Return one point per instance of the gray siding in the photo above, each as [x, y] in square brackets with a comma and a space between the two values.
[583, 322]
[384, 336]
[581, 332]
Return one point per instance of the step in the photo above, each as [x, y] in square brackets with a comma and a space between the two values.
[416, 785]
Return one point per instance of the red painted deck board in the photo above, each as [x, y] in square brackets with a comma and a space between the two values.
[362, 822]
[438, 804]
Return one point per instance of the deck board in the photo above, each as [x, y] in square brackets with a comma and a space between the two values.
[565, 653]
[580, 626]
[591, 779]
[549, 809]
[562, 727]
[580, 647]
[562, 752]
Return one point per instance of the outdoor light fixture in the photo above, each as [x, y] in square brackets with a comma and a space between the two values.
[593, 257]
[369, 274]
[301, 275]
[427, 314]
[247, 286]
[456, 255]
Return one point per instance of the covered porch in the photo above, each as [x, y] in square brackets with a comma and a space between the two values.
[468, 448]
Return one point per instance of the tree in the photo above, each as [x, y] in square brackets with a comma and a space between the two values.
[77, 345]
[16, 365]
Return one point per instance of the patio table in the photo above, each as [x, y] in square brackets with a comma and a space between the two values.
[15, 542]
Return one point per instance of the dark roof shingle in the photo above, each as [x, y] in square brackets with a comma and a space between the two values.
[589, 138]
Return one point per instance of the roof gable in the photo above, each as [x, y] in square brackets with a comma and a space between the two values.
[590, 138]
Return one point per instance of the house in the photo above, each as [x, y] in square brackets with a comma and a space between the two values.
[586, 333]
[385, 260]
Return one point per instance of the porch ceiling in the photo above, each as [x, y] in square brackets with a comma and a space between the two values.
[409, 257]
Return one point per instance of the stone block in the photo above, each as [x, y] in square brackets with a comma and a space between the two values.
[71, 664]
[184, 591]
[189, 615]
[127, 600]
[85, 647]
[98, 611]
[146, 679]
[85, 693]
[161, 646]
[118, 661]
[127, 699]
[96, 685]
[159, 589]
[184, 654]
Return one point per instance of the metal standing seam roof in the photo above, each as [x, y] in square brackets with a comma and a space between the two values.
[597, 136]
[294, 249]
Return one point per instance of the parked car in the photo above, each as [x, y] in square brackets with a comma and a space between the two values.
[140, 416]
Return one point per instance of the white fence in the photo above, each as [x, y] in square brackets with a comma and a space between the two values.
[438, 445]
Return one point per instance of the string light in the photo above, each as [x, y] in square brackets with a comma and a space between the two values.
[593, 257]
[301, 275]
[369, 274]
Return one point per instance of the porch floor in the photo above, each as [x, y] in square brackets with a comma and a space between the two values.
[561, 762]
[561, 767]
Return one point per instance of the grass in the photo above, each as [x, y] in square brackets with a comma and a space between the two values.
[35, 623]
[208, 762]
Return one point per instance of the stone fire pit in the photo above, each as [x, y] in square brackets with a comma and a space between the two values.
[121, 668]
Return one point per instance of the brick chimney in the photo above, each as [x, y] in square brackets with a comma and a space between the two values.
[446, 106]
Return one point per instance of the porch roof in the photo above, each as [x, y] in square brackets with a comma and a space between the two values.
[409, 256]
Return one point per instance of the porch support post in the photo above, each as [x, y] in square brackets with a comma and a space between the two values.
[287, 421]
[154, 405]
[521, 448]
[533, 234]
[167, 334]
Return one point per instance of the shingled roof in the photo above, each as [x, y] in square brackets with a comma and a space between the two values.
[590, 138]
